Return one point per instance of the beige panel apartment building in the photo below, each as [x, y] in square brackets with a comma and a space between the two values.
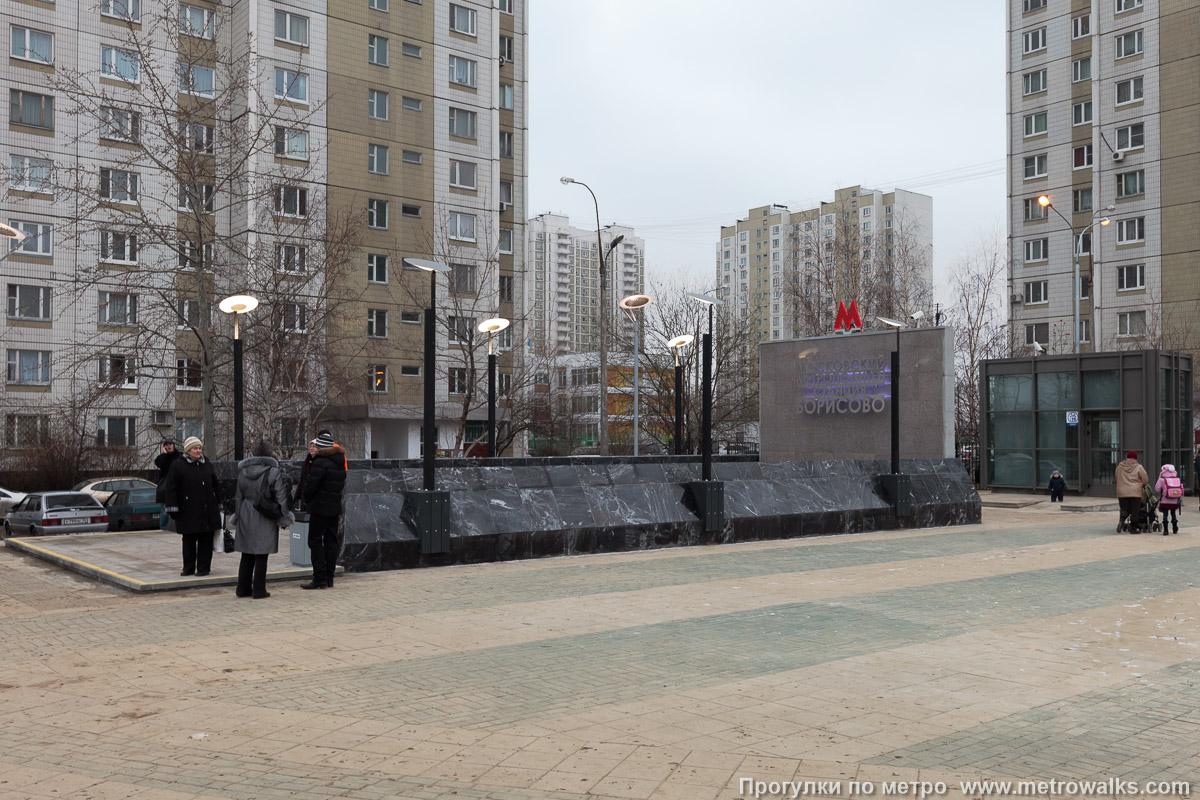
[1102, 99]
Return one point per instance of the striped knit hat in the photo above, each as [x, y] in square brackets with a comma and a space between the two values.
[323, 440]
[191, 442]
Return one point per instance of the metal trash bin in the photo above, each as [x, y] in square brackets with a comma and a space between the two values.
[301, 556]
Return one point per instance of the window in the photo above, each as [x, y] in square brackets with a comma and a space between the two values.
[118, 308]
[378, 5]
[1131, 323]
[1085, 330]
[1131, 137]
[1129, 91]
[506, 289]
[461, 329]
[26, 431]
[377, 323]
[1034, 41]
[291, 258]
[462, 278]
[504, 340]
[116, 432]
[1131, 230]
[199, 139]
[201, 81]
[32, 45]
[410, 103]
[124, 9]
[30, 173]
[377, 50]
[187, 374]
[1081, 26]
[410, 210]
[506, 144]
[410, 317]
[462, 71]
[28, 302]
[377, 159]
[1034, 5]
[1081, 70]
[291, 143]
[121, 64]
[506, 196]
[462, 19]
[28, 366]
[1038, 332]
[1082, 199]
[410, 157]
[377, 378]
[506, 6]
[377, 214]
[291, 86]
[1037, 292]
[457, 383]
[1082, 156]
[1035, 166]
[506, 49]
[377, 268]
[291, 28]
[410, 50]
[1034, 210]
[1035, 124]
[506, 96]
[1035, 82]
[1131, 276]
[462, 226]
[119, 185]
[506, 240]
[118, 247]
[291, 201]
[189, 255]
[1085, 287]
[1129, 44]
[1131, 184]
[27, 108]
[1081, 113]
[197, 21]
[1128, 5]
[1036, 250]
[120, 124]
[190, 196]
[462, 123]
[295, 318]
[377, 104]
[189, 314]
[410, 371]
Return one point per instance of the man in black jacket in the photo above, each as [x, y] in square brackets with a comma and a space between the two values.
[323, 498]
[163, 461]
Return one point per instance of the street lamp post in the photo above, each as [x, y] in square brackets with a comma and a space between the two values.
[237, 305]
[603, 256]
[1077, 245]
[490, 326]
[706, 405]
[896, 484]
[631, 304]
[14, 237]
[676, 344]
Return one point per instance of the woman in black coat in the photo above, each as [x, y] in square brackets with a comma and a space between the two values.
[193, 499]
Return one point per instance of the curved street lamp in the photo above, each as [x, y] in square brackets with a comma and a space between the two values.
[1077, 245]
[14, 237]
[490, 326]
[237, 305]
[676, 345]
[631, 304]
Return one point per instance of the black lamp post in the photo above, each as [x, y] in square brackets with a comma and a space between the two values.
[237, 305]
[709, 495]
[897, 485]
[490, 326]
[675, 344]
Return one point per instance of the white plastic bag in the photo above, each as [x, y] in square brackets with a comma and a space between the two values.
[218, 541]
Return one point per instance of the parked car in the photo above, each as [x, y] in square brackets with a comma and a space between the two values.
[56, 512]
[101, 488]
[132, 509]
[8, 500]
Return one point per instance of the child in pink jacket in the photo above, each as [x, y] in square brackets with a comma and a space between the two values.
[1170, 491]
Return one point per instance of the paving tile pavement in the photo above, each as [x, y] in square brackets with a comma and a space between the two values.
[1032, 647]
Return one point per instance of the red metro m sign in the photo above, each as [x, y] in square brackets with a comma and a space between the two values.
[848, 318]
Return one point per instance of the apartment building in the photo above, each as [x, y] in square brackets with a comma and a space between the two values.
[159, 158]
[562, 293]
[1100, 124]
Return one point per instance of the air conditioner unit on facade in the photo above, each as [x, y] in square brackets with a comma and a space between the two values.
[164, 418]
[1017, 299]
[1118, 156]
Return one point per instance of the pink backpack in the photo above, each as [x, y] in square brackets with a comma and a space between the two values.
[1172, 488]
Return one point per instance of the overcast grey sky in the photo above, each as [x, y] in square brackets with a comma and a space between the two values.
[684, 114]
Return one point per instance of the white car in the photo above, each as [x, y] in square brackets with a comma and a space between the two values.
[101, 488]
[8, 500]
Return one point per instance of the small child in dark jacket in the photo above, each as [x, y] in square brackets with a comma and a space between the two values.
[1057, 485]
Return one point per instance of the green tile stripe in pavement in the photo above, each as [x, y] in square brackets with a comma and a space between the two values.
[575, 673]
[562, 578]
[1144, 729]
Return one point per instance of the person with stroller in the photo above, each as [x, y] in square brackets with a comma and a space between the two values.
[1058, 485]
[1169, 489]
[1131, 477]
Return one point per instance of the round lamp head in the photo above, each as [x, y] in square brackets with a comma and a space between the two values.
[681, 341]
[9, 232]
[238, 304]
[425, 264]
[566, 181]
[494, 325]
[636, 301]
[1105, 220]
[1044, 200]
[706, 298]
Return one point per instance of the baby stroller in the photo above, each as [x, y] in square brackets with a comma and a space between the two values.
[1148, 513]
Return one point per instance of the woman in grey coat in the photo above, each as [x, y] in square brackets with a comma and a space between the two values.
[257, 536]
